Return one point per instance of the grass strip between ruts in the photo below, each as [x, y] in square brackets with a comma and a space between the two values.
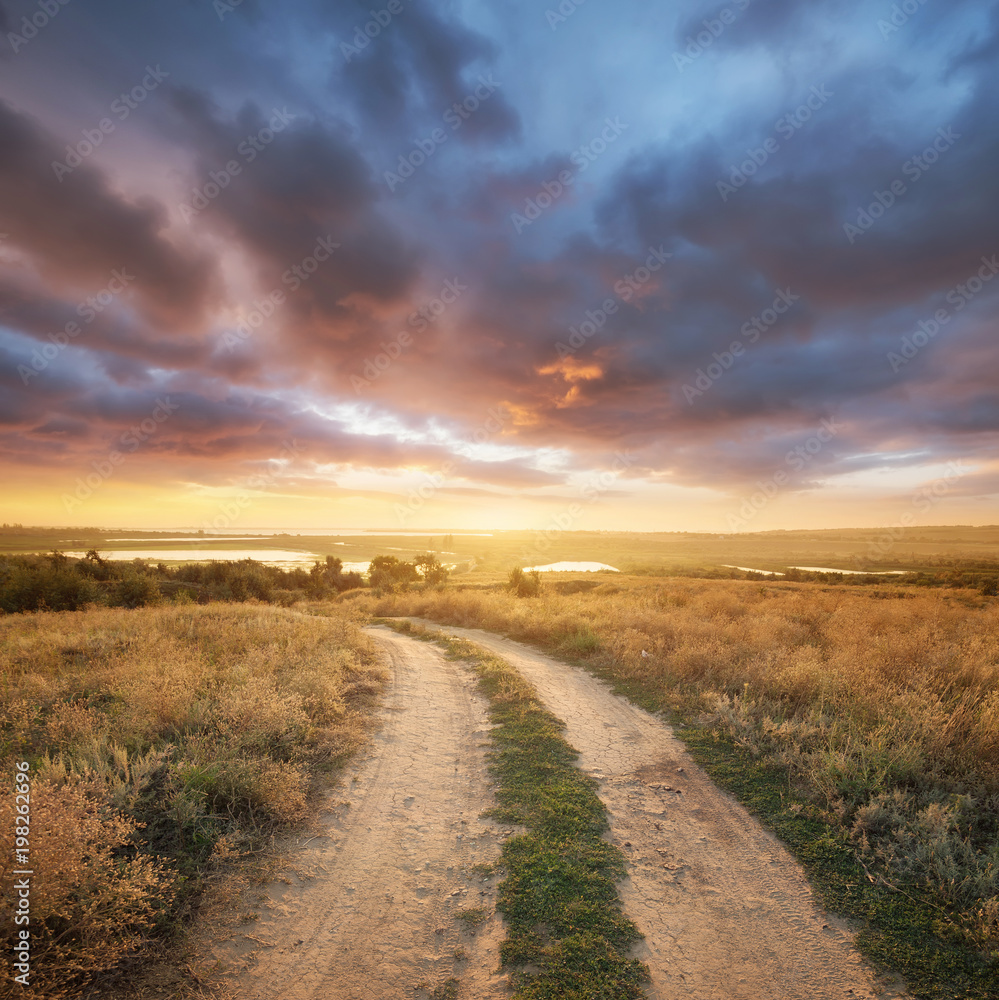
[566, 931]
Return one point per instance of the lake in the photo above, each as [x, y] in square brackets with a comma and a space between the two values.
[284, 558]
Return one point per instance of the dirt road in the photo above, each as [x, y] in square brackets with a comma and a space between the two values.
[373, 915]
[726, 911]
[368, 908]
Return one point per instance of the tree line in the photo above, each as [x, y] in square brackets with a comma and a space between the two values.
[56, 582]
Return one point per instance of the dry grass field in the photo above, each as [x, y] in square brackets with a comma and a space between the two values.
[162, 741]
[882, 705]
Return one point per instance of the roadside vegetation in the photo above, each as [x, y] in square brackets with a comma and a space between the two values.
[56, 582]
[862, 725]
[858, 716]
[164, 745]
[559, 895]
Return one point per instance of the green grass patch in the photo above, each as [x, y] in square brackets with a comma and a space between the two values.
[559, 897]
[471, 917]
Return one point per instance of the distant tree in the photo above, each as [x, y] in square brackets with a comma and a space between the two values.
[387, 572]
[434, 574]
[329, 575]
[94, 567]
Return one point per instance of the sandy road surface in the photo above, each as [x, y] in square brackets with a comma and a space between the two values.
[726, 911]
[367, 911]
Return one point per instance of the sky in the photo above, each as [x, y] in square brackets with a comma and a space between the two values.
[405, 264]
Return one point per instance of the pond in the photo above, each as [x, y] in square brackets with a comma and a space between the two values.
[819, 569]
[851, 572]
[572, 567]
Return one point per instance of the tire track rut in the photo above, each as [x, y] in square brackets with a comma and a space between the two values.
[374, 914]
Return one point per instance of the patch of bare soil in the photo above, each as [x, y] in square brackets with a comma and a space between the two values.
[377, 905]
[726, 911]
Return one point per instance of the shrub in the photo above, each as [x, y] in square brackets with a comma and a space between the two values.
[28, 584]
[133, 590]
[94, 900]
[524, 584]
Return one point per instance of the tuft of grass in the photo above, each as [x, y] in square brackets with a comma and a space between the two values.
[471, 917]
[448, 990]
[559, 897]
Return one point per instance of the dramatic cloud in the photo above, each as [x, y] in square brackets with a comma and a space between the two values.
[82, 235]
[485, 254]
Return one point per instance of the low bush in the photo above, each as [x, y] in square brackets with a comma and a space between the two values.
[523, 584]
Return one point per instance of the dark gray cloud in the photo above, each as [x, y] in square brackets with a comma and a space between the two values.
[80, 232]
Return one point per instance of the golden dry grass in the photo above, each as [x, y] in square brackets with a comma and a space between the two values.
[161, 740]
[884, 705]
